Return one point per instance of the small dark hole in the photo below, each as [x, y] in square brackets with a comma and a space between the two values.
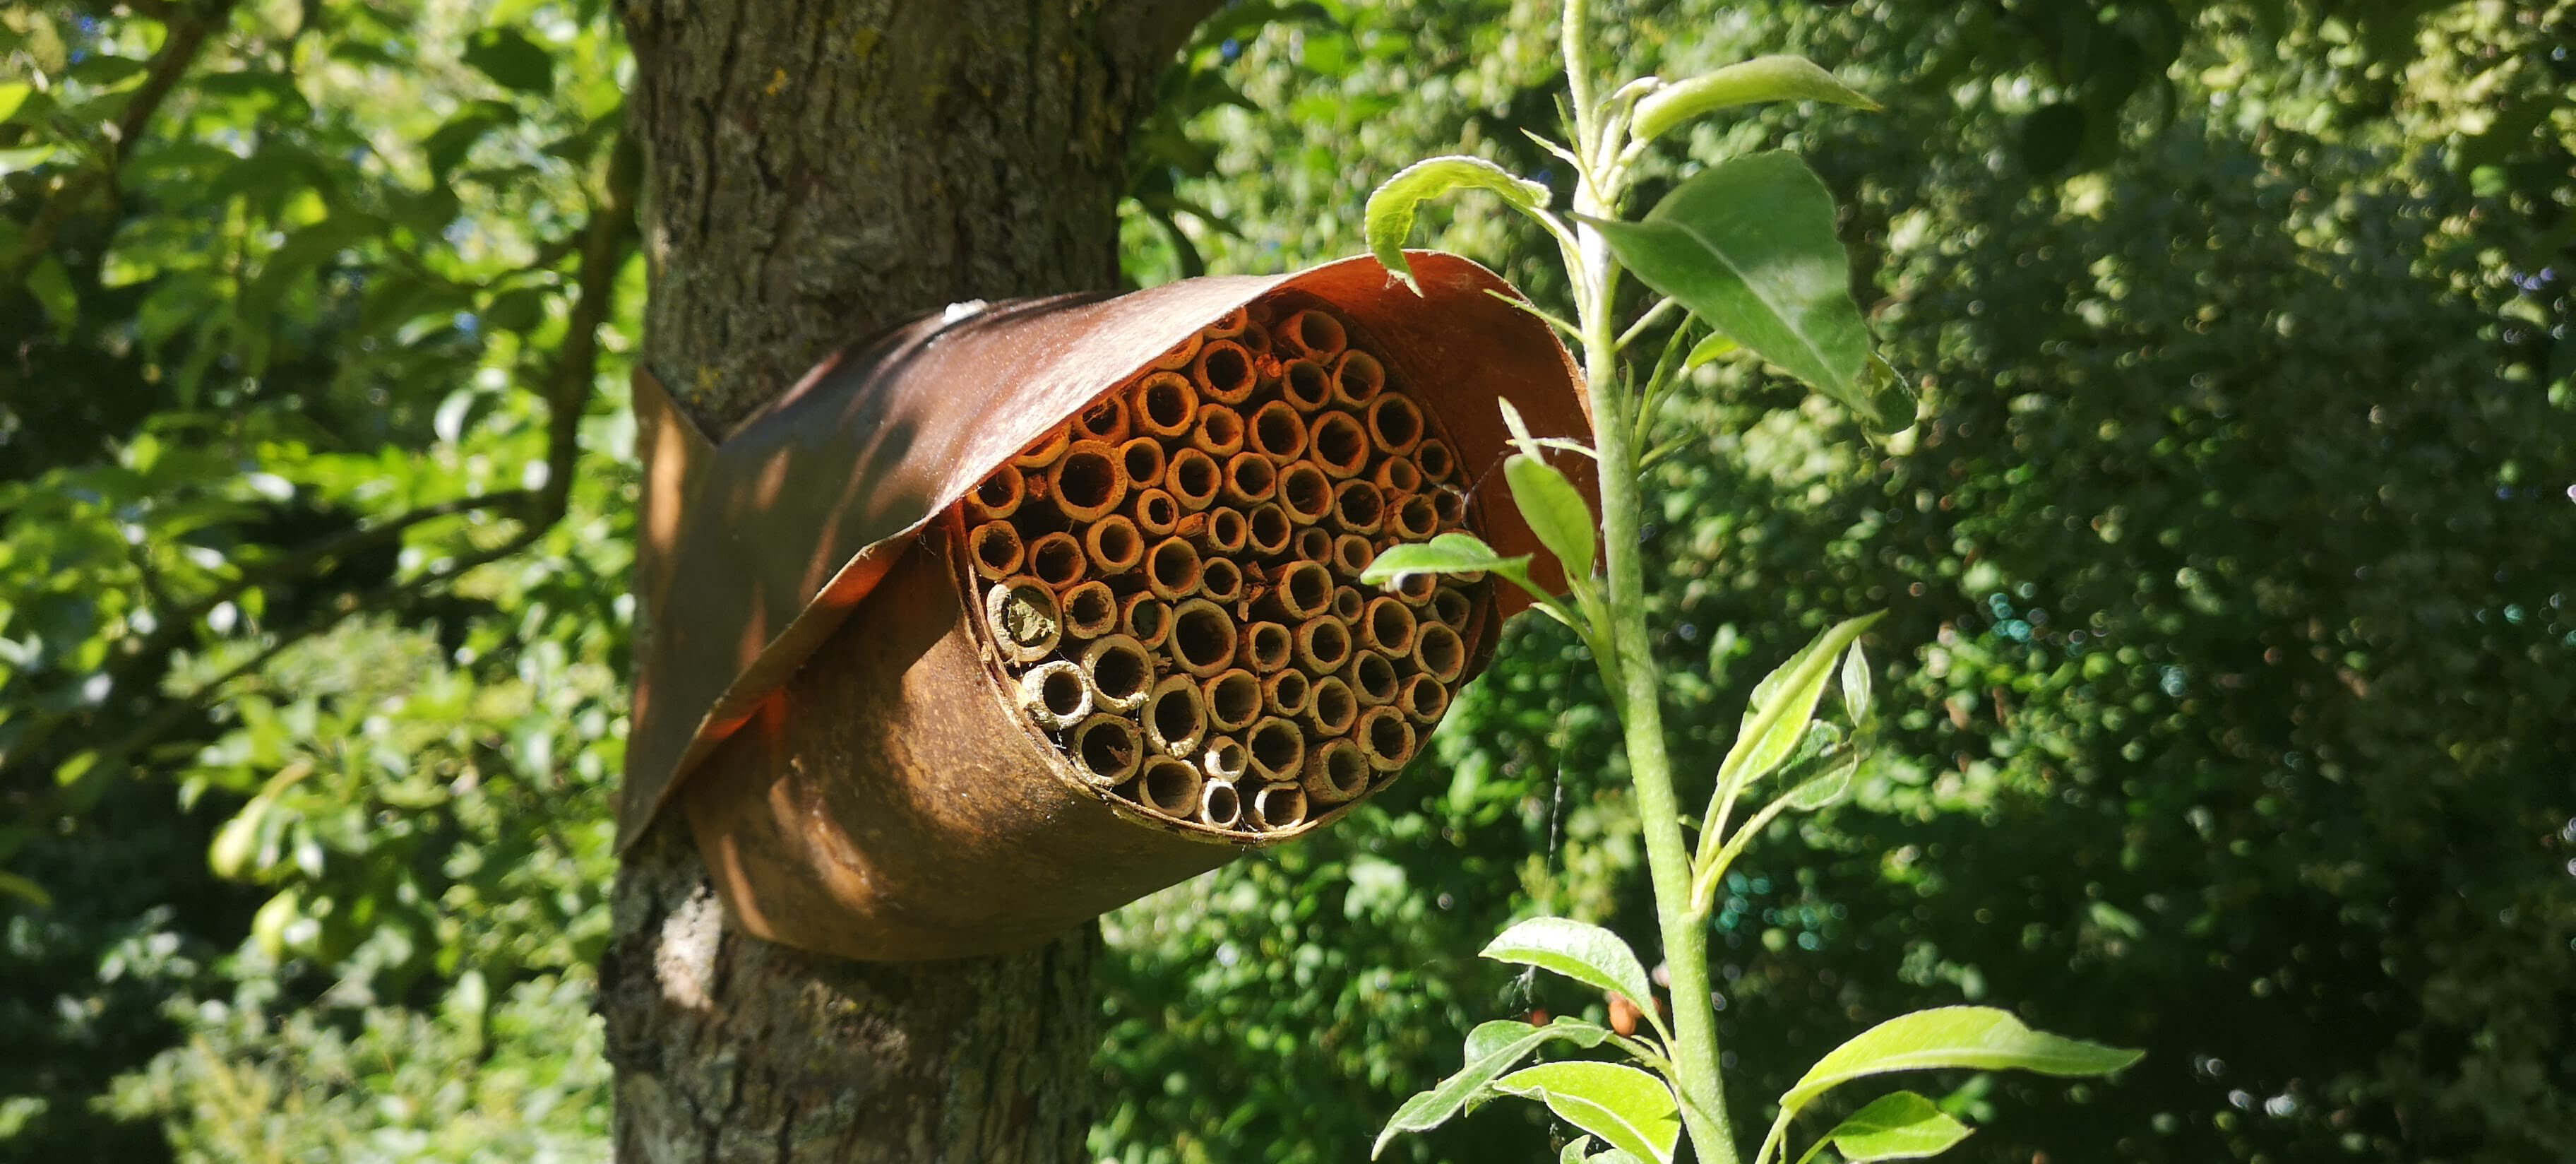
[1339, 441]
[1143, 460]
[1194, 476]
[1276, 433]
[999, 489]
[1087, 480]
[1270, 529]
[1396, 423]
[1202, 636]
[1056, 561]
[1227, 370]
[1358, 505]
[1121, 673]
[1275, 746]
[1307, 384]
[1176, 715]
[1062, 692]
[1106, 747]
[1305, 489]
[1374, 675]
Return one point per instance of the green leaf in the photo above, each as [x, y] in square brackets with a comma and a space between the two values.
[1955, 1036]
[1450, 553]
[1581, 951]
[13, 94]
[1901, 1126]
[1576, 1152]
[1776, 78]
[1857, 697]
[1827, 787]
[1748, 245]
[52, 288]
[512, 60]
[13, 885]
[449, 143]
[1629, 1109]
[1492, 1048]
[1783, 703]
[1555, 511]
[1390, 209]
[1717, 346]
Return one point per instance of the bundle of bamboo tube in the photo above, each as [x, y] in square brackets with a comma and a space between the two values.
[1171, 577]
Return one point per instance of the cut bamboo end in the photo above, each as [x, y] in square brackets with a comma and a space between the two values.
[1352, 554]
[1304, 492]
[1349, 604]
[1225, 372]
[1228, 325]
[1087, 483]
[1057, 560]
[1284, 693]
[1164, 404]
[998, 495]
[1394, 425]
[1146, 619]
[1450, 503]
[1336, 772]
[1220, 806]
[1175, 717]
[1397, 477]
[1277, 432]
[1372, 678]
[1224, 758]
[1181, 354]
[1119, 671]
[1090, 610]
[1106, 750]
[1357, 380]
[1266, 646]
[1277, 807]
[1385, 738]
[1315, 544]
[1021, 612]
[1435, 460]
[1358, 507]
[1055, 695]
[1276, 749]
[1169, 786]
[1268, 531]
[1105, 420]
[1250, 479]
[1307, 386]
[995, 549]
[1220, 580]
[1451, 607]
[1113, 545]
[1043, 451]
[1312, 334]
[1439, 652]
[1202, 640]
[1172, 569]
[1156, 513]
[1330, 707]
[1233, 699]
[1323, 644]
[1219, 431]
[1142, 459]
[1386, 624]
[1193, 479]
[1415, 518]
[1226, 531]
[1341, 446]
[1424, 699]
[1415, 590]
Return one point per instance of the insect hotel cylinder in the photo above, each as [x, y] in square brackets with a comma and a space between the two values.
[1016, 614]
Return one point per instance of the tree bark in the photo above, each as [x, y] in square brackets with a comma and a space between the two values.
[816, 172]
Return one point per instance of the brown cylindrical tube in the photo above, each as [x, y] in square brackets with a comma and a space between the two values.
[1452, 608]
[1358, 508]
[998, 495]
[1057, 560]
[1336, 772]
[1284, 692]
[1312, 334]
[1266, 646]
[1090, 610]
[1275, 431]
[1250, 479]
[1385, 738]
[1022, 613]
[1349, 604]
[1218, 432]
[1228, 325]
[1220, 580]
[1423, 699]
[995, 549]
[1112, 545]
[1043, 451]
[1276, 747]
[1224, 758]
[1088, 482]
[1163, 404]
[1172, 569]
[1145, 618]
[1315, 544]
[1120, 672]
[1278, 806]
[1105, 420]
[1142, 458]
[1304, 492]
[1398, 477]
[1255, 338]
[1220, 806]
[1226, 530]
[1450, 502]
[1432, 456]
[1341, 446]
[1439, 652]
[1415, 589]
[1372, 678]
[1202, 641]
[1193, 479]
[1233, 699]
[1169, 786]
[1386, 624]
[1224, 372]
[1330, 706]
[1323, 644]
[1156, 512]
[1413, 519]
[1267, 529]
[1358, 379]
[1306, 385]
[1181, 354]
[1175, 717]
[1055, 695]
[1394, 424]
[1352, 554]
[1106, 749]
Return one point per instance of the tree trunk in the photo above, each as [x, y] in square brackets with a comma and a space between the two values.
[816, 172]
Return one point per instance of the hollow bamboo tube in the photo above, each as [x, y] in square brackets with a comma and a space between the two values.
[1285, 692]
[1432, 456]
[1341, 446]
[1423, 699]
[1358, 508]
[1143, 459]
[1224, 758]
[1415, 589]
[1162, 405]
[1450, 502]
[1352, 554]
[1202, 640]
[1220, 806]
[998, 495]
[1394, 424]
[1090, 610]
[1439, 652]
[1106, 749]
[1193, 479]
[1088, 482]
[1336, 772]
[1172, 569]
[1232, 698]
[1267, 529]
[1266, 646]
[1146, 619]
[1228, 325]
[1315, 544]
[1398, 477]
[1220, 580]
[1175, 717]
[1250, 480]
[1276, 748]
[1225, 531]
[1106, 420]
[1218, 431]
[1057, 560]
[1120, 672]
[1452, 608]
[1386, 624]
[1043, 451]
[1358, 379]
[1156, 512]
[1330, 706]
[1413, 519]
[1256, 339]
[1180, 355]
[1275, 431]
[1169, 786]
[1312, 334]
[1277, 807]
[1055, 695]
[1323, 644]
[1304, 492]
[1372, 678]
[1349, 604]
[1307, 386]
[1224, 372]
[1113, 545]
[995, 549]
[1021, 612]
[1385, 738]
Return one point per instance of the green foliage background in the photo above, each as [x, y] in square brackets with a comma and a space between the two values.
[2228, 568]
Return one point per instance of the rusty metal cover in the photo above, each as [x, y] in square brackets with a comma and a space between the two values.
[756, 549]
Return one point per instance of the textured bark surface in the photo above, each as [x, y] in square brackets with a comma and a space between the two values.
[819, 171]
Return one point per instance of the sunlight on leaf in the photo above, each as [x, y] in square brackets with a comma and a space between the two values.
[1389, 217]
